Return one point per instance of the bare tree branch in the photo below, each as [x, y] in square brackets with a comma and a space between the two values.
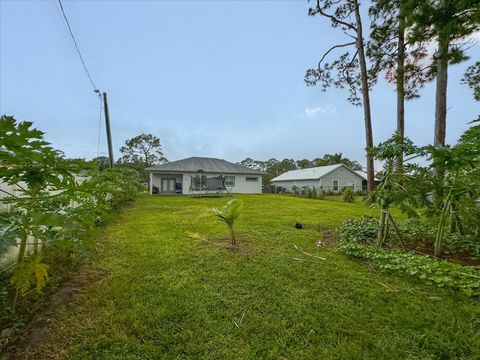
[332, 48]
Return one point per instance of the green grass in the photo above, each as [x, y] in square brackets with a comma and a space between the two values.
[170, 297]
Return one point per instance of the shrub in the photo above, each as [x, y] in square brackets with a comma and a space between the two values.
[348, 195]
[308, 192]
[295, 189]
[359, 230]
[415, 230]
[321, 194]
[456, 243]
[116, 187]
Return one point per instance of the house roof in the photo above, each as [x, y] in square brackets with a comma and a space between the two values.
[362, 174]
[205, 164]
[311, 173]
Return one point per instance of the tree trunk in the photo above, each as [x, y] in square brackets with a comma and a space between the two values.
[400, 86]
[381, 227]
[441, 93]
[366, 98]
[20, 259]
[440, 112]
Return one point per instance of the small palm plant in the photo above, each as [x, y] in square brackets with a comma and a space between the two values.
[229, 215]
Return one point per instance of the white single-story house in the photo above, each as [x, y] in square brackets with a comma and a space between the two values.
[197, 175]
[329, 178]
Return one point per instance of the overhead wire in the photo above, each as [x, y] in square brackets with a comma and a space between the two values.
[77, 48]
[90, 78]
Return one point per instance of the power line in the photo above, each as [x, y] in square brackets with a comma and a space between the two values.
[76, 47]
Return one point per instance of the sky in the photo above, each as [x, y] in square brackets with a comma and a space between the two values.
[209, 78]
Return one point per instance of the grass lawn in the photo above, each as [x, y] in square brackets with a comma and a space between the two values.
[166, 296]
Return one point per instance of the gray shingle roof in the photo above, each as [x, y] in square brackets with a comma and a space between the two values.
[209, 165]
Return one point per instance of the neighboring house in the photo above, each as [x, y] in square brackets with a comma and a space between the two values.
[201, 175]
[330, 178]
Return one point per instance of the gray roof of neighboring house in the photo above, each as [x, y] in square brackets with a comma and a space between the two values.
[208, 165]
[310, 173]
[362, 173]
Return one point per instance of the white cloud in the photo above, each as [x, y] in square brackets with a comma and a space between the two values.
[314, 112]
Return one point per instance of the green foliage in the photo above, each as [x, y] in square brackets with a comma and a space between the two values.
[458, 243]
[357, 236]
[360, 230]
[31, 272]
[442, 273]
[295, 189]
[454, 209]
[348, 195]
[144, 149]
[229, 215]
[417, 230]
[51, 209]
[307, 192]
[472, 79]
[117, 187]
[321, 194]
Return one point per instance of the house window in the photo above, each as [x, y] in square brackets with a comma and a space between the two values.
[364, 185]
[335, 185]
[230, 180]
[251, 178]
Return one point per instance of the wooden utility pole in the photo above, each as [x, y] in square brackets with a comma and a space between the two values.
[107, 126]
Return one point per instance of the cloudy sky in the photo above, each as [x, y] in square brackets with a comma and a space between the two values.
[210, 78]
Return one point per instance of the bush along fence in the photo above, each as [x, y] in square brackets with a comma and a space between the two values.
[347, 193]
[51, 217]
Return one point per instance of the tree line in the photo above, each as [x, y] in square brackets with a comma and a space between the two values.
[398, 47]
[274, 167]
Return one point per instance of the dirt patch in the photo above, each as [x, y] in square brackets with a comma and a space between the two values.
[27, 344]
[328, 238]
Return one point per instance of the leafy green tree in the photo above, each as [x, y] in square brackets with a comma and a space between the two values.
[472, 79]
[349, 69]
[140, 152]
[303, 164]
[336, 158]
[448, 23]
[144, 149]
[252, 164]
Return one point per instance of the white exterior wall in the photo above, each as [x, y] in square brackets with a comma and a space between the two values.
[241, 185]
[342, 175]
[247, 187]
